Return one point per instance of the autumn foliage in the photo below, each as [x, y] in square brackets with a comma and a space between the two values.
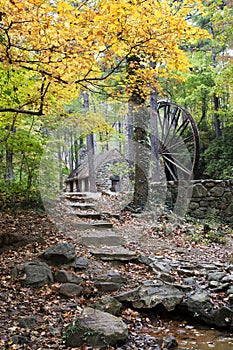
[84, 43]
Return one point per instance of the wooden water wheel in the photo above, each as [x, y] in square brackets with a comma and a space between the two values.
[179, 144]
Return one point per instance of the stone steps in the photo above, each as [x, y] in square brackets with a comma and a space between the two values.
[98, 236]
[82, 206]
[111, 253]
[86, 215]
[82, 195]
[74, 199]
[101, 238]
[96, 225]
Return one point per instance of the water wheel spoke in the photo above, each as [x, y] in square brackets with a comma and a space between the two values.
[170, 169]
[172, 125]
[182, 127]
[177, 164]
[162, 124]
[180, 143]
[177, 131]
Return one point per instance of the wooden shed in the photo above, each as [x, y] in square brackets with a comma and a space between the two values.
[106, 173]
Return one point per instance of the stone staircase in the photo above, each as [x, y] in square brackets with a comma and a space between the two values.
[83, 204]
[96, 231]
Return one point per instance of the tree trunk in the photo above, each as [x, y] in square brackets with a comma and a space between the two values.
[90, 149]
[9, 164]
[141, 156]
[217, 123]
[154, 138]
[138, 149]
[130, 145]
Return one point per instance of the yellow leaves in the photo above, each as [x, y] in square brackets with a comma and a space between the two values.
[70, 44]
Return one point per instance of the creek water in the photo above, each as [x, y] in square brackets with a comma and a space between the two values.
[203, 339]
[194, 336]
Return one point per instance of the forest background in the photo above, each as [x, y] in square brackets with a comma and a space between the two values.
[53, 54]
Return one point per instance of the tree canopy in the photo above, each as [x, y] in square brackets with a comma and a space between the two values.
[84, 43]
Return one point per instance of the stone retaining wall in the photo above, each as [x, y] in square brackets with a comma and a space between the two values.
[210, 199]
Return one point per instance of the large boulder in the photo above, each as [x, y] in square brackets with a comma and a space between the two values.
[152, 294]
[199, 305]
[37, 274]
[96, 329]
[60, 253]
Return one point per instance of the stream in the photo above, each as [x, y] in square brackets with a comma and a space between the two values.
[191, 336]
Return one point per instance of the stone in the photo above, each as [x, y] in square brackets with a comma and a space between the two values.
[170, 342]
[107, 286]
[37, 274]
[147, 260]
[81, 263]
[230, 290]
[190, 281]
[101, 238]
[185, 272]
[203, 203]
[151, 295]
[198, 213]
[216, 276]
[217, 191]
[207, 266]
[199, 191]
[63, 276]
[12, 239]
[214, 284]
[197, 301]
[97, 329]
[19, 339]
[113, 253]
[127, 296]
[96, 225]
[228, 278]
[161, 266]
[222, 287]
[109, 281]
[70, 290]
[28, 322]
[193, 205]
[60, 253]
[166, 277]
[199, 305]
[113, 276]
[222, 318]
[209, 184]
[108, 304]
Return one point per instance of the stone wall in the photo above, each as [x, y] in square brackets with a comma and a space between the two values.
[210, 199]
[103, 173]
